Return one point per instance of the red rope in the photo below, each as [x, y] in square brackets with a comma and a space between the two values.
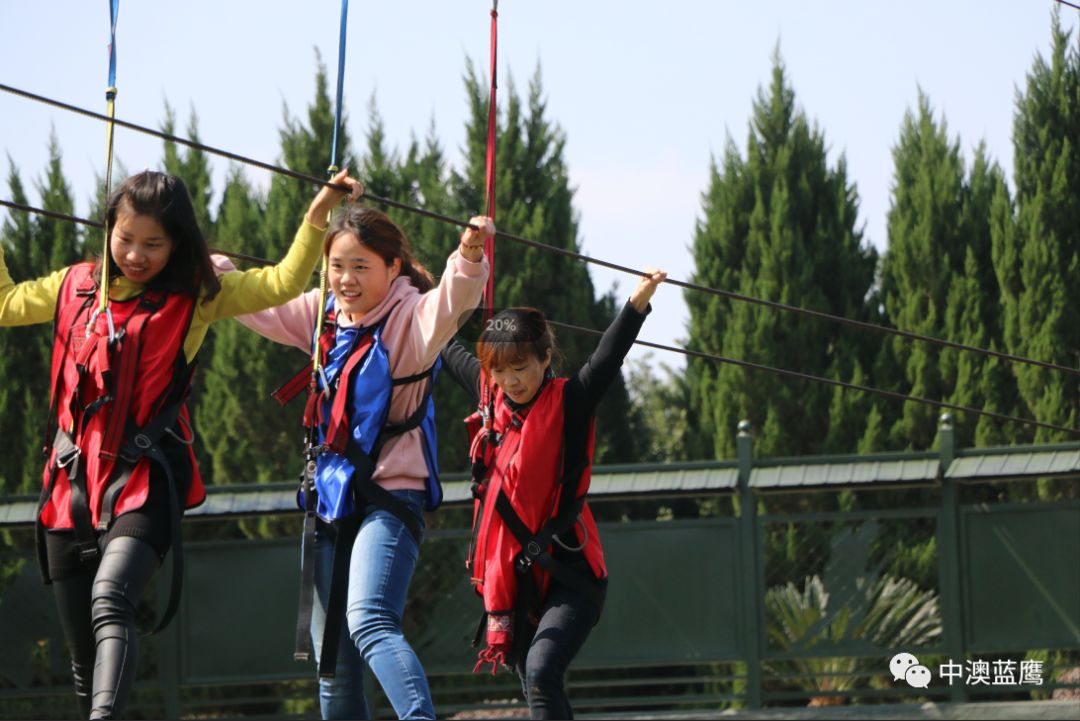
[489, 244]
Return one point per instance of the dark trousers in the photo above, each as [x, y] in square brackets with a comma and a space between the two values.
[97, 612]
[567, 618]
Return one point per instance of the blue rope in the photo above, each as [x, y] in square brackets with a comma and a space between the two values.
[340, 86]
[114, 11]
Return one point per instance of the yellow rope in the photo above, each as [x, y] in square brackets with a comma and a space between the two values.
[110, 98]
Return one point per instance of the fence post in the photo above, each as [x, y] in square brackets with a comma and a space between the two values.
[949, 567]
[749, 562]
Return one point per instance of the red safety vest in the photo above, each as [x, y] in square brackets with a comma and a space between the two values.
[101, 390]
[526, 466]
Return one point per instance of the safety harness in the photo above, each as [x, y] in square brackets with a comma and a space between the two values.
[492, 453]
[97, 369]
[330, 421]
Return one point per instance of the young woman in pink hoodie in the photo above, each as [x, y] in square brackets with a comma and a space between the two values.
[375, 472]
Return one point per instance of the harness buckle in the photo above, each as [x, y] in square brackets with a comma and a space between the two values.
[88, 552]
[533, 549]
[68, 457]
[142, 441]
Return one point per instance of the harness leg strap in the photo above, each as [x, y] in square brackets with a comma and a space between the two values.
[175, 514]
[69, 456]
[339, 592]
[302, 647]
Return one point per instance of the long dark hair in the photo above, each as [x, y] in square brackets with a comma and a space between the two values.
[374, 229]
[165, 198]
[513, 335]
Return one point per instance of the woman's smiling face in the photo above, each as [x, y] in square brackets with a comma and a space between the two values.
[140, 246]
[359, 277]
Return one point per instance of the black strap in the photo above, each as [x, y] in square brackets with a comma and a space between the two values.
[366, 492]
[346, 530]
[139, 440]
[414, 420]
[39, 527]
[175, 513]
[480, 628]
[69, 456]
[146, 441]
[302, 648]
[405, 380]
[534, 547]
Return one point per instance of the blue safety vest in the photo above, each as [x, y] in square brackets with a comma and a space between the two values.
[368, 408]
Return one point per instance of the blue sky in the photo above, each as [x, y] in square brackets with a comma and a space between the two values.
[646, 93]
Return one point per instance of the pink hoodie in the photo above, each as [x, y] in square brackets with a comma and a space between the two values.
[416, 330]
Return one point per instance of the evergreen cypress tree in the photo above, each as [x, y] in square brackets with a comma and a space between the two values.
[938, 280]
[235, 437]
[192, 166]
[926, 250]
[780, 225]
[973, 316]
[246, 368]
[1036, 250]
[33, 247]
[20, 359]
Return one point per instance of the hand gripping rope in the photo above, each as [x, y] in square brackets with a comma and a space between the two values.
[489, 187]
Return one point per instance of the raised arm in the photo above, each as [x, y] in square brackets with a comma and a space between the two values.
[587, 386]
[260, 288]
[290, 323]
[443, 309]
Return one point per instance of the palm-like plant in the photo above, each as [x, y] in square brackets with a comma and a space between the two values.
[875, 617]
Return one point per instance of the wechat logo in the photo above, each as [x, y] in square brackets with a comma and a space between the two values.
[905, 667]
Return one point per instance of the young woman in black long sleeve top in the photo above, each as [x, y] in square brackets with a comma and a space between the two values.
[536, 559]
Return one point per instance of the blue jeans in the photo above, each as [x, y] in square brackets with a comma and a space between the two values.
[380, 567]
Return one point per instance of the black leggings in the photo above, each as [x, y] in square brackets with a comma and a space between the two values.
[97, 612]
[567, 619]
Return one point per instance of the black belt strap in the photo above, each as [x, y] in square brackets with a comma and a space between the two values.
[346, 530]
[405, 380]
[369, 493]
[534, 546]
[175, 513]
[302, 647]
[39, 527]
[69, 456]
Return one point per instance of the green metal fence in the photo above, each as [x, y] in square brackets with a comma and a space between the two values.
[747, 583]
